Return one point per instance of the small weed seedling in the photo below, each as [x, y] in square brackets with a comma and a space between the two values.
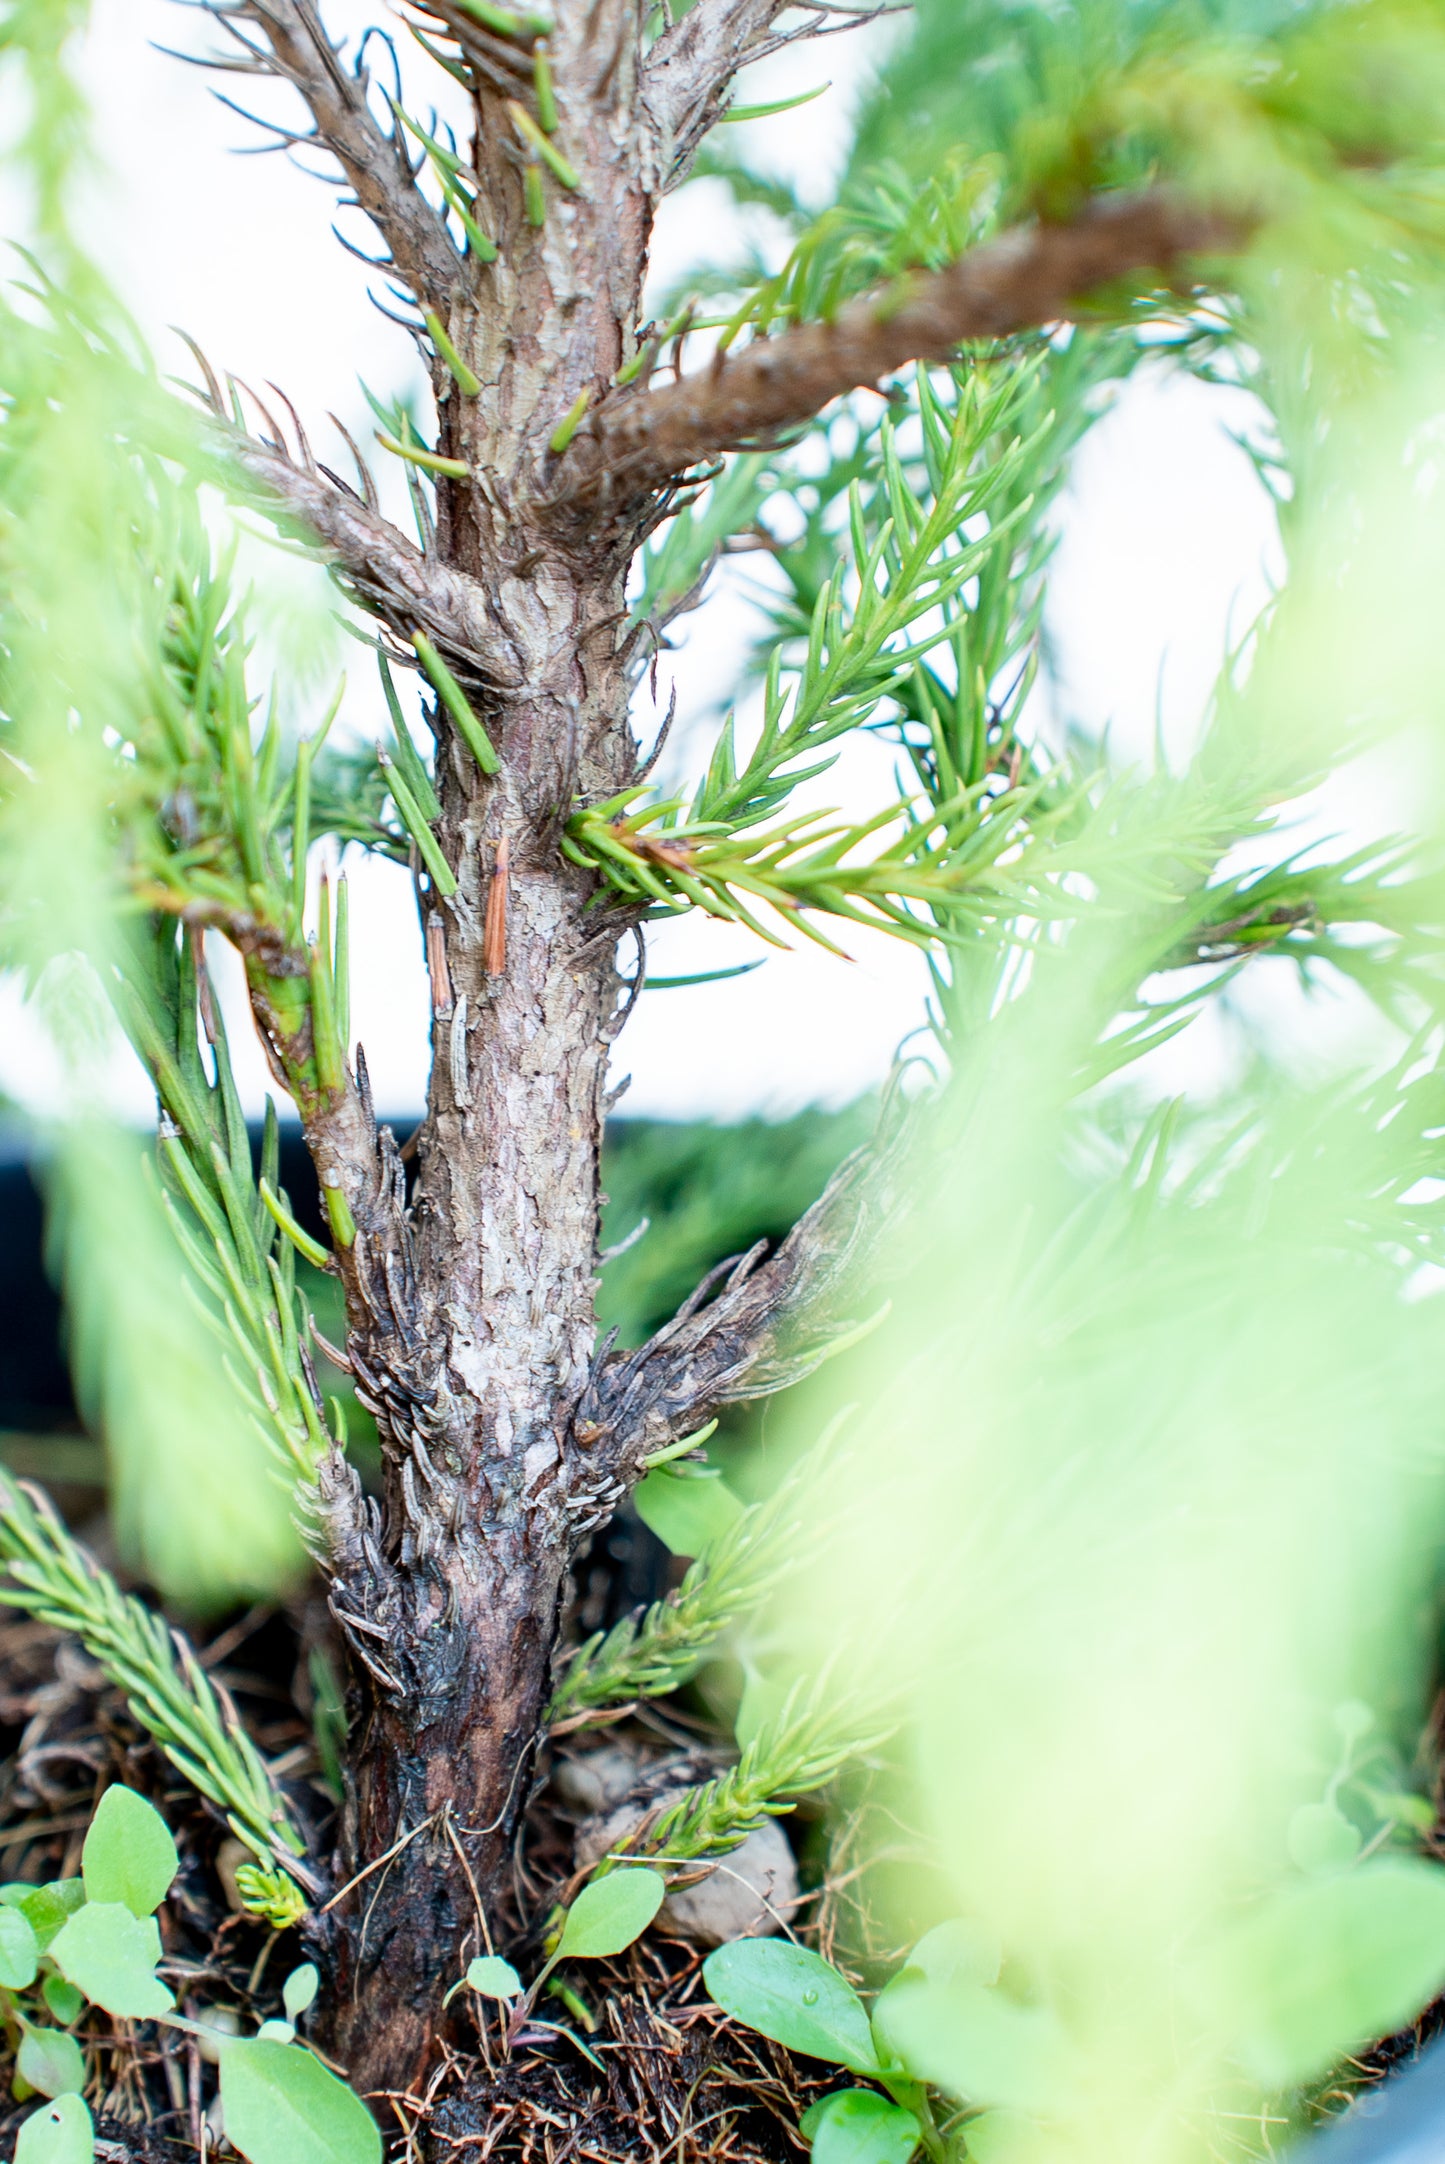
[94, 1940]
[947, 2026]
[604, 1920]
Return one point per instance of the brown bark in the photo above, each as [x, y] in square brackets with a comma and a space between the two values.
[293, 44]
[472, 1322]
[1035, 275]
[385, 573]
[471, 1314]
[455, 1742]
[760, 1324]
[692, 64]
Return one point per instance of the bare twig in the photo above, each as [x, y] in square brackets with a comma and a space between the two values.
[388, 575]
[773, 1321]
[691, 65]
[298, 50]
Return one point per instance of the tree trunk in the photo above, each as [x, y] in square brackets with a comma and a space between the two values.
[477, 1381]
[453, 1761]
[470, 1314]
[476, 1349]
[471, 1310]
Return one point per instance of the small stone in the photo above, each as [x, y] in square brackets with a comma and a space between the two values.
[747, 1894]
[596, 1780]
[217, 2023]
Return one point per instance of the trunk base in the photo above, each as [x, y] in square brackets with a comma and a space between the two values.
[680, 2082]
[439, 1775]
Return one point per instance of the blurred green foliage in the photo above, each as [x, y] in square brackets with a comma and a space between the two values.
[1123, 1591]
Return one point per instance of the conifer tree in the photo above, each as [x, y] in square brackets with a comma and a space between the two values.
[1036, 202]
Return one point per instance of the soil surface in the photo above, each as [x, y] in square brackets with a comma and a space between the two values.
[632, 2062]
[636, 2062]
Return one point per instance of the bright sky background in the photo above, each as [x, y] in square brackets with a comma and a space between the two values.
[1165, 536]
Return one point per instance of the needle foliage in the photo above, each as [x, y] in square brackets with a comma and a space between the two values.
[1122, 1319]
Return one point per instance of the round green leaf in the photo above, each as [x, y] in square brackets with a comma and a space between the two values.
[794, 1997]
[856, 2126]
[999, 2137]
[59, 2133]
[952, 1954]
[19, 1950]
[956, 1952]
[609, 1914]
[1354, 1719]
[51, 2062]
[299, 1990]
[129, 1855]
[1330, 1963]
[1322, 1838]
[282, 2106]
[976, 2044]
[47, 1908]
[493, 1978]
[687, 1511]
[64, 2001]
[110, 1954]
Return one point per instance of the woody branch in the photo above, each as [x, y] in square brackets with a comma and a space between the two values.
[388, 575]
[692, 64]
[637, 443]
[297, 50]
[771, 1321]
[1032, 276]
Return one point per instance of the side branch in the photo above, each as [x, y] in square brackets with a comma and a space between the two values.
[691, 65]
[772, 1323]
[300, 52]
[1034, 275]
[390, 577]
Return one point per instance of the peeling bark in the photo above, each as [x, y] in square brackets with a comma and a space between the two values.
[758, 1324]
[472, 1324]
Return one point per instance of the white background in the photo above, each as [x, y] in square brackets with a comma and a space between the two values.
[1165, 539]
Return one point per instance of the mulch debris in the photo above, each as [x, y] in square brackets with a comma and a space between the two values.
[661, 2074]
